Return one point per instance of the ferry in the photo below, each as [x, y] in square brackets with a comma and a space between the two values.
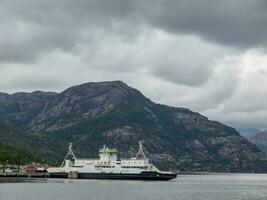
[108, 166]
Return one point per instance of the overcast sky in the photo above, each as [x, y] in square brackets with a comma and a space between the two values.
[206, 55]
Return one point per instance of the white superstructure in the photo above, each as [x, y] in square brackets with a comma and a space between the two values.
[107, 163]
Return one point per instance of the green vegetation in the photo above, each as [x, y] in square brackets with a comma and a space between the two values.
[12, 155]
[9, 138]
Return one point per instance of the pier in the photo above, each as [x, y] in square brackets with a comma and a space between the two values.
[24, 175]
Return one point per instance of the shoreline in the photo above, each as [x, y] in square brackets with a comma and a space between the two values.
[46, 175]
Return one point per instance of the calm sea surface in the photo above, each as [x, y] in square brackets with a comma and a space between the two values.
[185, 187]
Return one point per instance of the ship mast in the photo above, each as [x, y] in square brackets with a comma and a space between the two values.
[70, 153]
[140, 151]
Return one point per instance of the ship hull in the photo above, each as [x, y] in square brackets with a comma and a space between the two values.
[156, 176]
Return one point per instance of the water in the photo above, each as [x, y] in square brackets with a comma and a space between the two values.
[185, 187]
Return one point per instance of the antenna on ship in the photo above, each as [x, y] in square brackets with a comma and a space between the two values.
[140, 151]
[70, 153]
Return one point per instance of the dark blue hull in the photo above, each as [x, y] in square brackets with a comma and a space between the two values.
[156, 176]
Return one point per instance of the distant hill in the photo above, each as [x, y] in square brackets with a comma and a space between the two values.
[260, 139]
[112, 113]
[248, 132]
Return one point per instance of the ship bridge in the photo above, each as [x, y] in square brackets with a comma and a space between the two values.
[107, 154]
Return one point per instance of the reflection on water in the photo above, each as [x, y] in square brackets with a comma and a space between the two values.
[21, 180]
[185, 187]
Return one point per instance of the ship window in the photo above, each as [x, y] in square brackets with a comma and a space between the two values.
[134, 167]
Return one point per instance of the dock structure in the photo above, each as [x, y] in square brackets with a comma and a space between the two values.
[24, 175]
[73, 175]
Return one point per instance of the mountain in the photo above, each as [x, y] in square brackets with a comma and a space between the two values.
[112, 113]
[260, 139]
[10, 135]
[20, 108]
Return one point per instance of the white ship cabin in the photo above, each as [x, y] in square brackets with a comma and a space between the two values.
[107, 163]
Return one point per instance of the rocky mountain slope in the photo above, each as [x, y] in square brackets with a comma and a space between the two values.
[260, 139]
[93, 114]
[9, 135]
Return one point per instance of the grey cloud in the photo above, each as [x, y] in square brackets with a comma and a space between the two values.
[32, 27]
[163, 55]
[220, 87]
[184, 73]
[27, 45]
[53, 44]
[183, 60]
[239, 23]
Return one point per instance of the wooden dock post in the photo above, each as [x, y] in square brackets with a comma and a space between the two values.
[73, 175]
